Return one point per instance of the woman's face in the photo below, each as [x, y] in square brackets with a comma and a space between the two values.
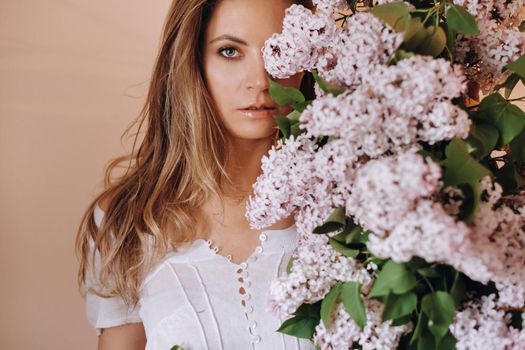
[234, 67]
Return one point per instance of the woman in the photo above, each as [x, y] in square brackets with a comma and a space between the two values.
[175, 260]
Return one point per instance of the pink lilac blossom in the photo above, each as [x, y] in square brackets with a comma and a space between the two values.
[330, 6]
[316, 268]
[345, 334]
[284, 172]
[396, 107]
[405, 222]
[356, 50]
[481, 326]
[498, 43]
[504, 226]
[297, 48]
[510, 11]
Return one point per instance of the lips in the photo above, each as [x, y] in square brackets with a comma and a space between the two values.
[259, 111]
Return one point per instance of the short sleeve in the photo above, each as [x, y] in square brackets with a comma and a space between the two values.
[106, 312]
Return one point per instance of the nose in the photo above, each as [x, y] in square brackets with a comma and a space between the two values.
[257, 75]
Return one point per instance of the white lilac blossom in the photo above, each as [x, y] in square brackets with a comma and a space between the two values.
[480, 325]
[298, 46]
[316, 268]
[405, 222]
[498, 43]
[284, 172]
[356, 50]
[396, 107]
[345, 334]
[330, 6]
[504, 226]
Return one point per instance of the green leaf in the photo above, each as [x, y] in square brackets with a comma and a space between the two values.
[460, 167]
[414, 35]
[429, 272]
[517, 148]
[335, 221]
[518, 66]
[301, 106]
[472, 200]
[290, 264]
[354, 236]
[396, 14]
[461, 21]
[326, 86]
[426, 341]
[299, 326]
[398, 306]
[434, 43]
[421, 321]
[506, 117]
[458, 289]
[509, 84]
[283, 124]
[509, 178]
[342, 249]
[439, 308]
[447, 343]
[352, 4]
[351, 296]
[285, 96]
[303, 324]
[395, 278]
[451, 37]
[328, 305]
[482, 138]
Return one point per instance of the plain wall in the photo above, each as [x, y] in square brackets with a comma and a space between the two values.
[73, 75]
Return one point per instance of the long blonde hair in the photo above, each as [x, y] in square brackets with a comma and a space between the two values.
[180, 162]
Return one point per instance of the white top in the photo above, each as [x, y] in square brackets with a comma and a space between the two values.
[193, 298]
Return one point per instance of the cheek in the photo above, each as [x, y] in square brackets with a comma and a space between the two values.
[221, 84]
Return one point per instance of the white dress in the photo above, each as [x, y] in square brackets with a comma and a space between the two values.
[193, 298]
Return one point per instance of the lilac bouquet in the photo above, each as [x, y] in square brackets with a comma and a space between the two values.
[407, 189]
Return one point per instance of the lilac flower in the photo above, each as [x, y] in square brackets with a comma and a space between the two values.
[316, 268]
[480, 325]
[356, 50]
[345, 334]
[330, 6]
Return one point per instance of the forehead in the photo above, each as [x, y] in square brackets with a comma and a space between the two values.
[251, 20]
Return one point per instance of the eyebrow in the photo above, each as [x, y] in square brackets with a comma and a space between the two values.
[229, 37]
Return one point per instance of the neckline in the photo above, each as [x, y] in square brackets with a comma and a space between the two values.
[264, 245]
[99, 214]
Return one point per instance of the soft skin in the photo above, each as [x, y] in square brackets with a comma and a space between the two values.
[234, 72]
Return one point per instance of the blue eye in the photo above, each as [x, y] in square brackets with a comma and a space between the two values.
[228, 52]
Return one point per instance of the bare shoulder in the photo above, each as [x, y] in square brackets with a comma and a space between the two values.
[129, 336]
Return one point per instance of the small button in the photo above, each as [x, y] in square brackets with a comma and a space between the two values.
[256, 339]
[239, 271]
[246, 296]
[254, 258]
[253, 325]
[247, 283]
[215, 249]
[259, 249]
[209, 242]
[244, 265]
[249, 308]
[229, 257]
[262, 237]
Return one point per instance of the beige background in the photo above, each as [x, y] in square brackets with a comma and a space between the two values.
[73, 75]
